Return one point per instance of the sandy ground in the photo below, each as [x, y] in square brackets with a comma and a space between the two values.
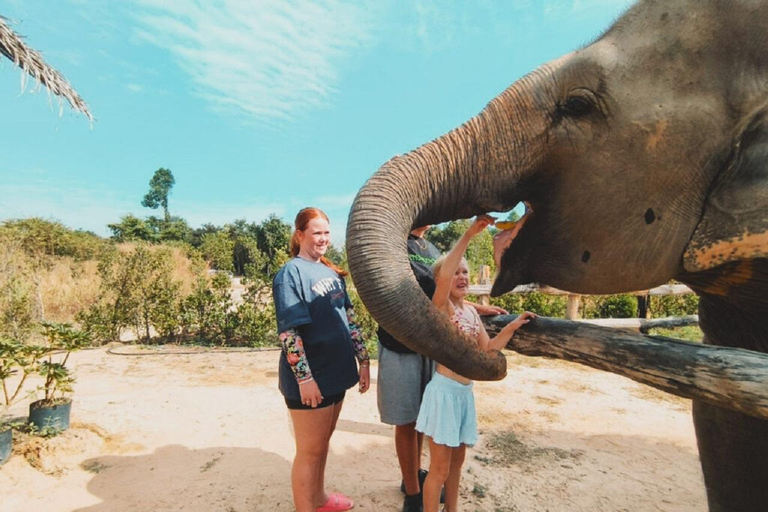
[209, 432]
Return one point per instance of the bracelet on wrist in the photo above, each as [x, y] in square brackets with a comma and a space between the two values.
[308, 379]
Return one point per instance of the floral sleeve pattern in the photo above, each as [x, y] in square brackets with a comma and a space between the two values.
[294, 352]
[358, 342]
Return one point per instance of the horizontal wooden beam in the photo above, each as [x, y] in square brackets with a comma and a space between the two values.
[727, 377]
[667, 289]
[643, 324]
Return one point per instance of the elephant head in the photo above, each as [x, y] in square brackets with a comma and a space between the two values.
[642, 155]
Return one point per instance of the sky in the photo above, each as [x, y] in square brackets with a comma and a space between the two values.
[257, 107]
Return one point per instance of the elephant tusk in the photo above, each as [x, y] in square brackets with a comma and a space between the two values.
[727, 377]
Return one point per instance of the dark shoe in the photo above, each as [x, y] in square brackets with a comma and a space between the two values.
[423, 476]
[413, 503]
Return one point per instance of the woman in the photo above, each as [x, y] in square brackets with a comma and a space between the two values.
[447, 414]
[320, 340]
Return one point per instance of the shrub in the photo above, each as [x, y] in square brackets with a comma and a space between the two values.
[258, 324]
[40, 237]
[137, 291]
[367, 324]
[616, 306]
[19, 308]
[539, 303]
[674, 305]
[204, 313]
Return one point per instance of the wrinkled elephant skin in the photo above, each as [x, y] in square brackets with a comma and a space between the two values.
[644, 158]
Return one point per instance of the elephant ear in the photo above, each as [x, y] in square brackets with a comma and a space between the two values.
[735, 221]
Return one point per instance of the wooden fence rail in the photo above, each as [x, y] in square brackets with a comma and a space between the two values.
[643, 323]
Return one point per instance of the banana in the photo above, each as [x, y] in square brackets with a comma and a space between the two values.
[505, 225]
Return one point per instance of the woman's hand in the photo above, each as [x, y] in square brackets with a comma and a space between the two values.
[310, 393]
[365, 377]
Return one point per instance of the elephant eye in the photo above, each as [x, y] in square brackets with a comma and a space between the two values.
[575, 107]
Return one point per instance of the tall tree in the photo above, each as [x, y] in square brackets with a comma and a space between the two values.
[159, 189]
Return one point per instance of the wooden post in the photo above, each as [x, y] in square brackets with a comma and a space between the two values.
[643, 306]
[572, 307]
[485, 278]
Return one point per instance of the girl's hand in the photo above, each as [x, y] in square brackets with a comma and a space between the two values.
[310, 393]
[522, 319]
[365, 378]
[490, 310]
[480, 223]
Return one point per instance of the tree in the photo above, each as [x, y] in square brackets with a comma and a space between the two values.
[131, 228]
[159, 188]
[217, 250]
[274, 236]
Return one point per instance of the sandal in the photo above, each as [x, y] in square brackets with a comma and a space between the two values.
[337, 502]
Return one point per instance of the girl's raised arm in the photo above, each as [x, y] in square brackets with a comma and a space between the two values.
[452, 260]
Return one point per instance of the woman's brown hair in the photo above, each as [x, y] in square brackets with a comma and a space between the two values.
[300, 224]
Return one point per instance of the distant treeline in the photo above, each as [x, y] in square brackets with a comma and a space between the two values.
[161, 281]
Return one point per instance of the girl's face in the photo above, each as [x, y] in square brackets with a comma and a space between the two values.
[460, 281]
[314, 239]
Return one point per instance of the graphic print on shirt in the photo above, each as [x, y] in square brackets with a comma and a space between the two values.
[329, 285]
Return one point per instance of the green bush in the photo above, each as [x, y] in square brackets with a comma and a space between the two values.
[537, 302]
[137, 291]
[367, 324]
[40, 237]
[19, 309]
[674, 305]
[258, 324]
[205, 312]
[615, 306]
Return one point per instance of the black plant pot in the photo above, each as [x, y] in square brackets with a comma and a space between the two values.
[56, 416]
[6, 442]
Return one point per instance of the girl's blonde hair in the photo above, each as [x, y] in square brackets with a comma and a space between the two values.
[300, 224]
[438, 264]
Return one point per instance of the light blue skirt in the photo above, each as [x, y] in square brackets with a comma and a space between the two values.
[447, 413]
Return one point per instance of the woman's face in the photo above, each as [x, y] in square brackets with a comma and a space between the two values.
[314, 239]
[460, 281]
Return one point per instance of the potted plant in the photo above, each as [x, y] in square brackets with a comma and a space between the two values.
[17, 360]
[6, 437]
[53, 410]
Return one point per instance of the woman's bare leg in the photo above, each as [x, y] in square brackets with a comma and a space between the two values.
[310, 429]
[320, 492]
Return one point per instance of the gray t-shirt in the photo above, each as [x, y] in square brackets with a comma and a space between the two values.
[312, 299]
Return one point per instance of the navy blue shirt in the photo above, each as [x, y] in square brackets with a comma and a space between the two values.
[312, 299]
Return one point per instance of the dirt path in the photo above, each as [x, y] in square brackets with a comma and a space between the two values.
[210, 433]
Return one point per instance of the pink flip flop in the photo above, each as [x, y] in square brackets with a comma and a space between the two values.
[336, 503]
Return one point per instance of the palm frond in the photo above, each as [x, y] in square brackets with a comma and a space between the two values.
[30, 61]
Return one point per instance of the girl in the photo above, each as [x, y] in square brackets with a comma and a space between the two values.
[447, 415]
[320, 340]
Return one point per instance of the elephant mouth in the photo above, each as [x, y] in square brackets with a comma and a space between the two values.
[507, 235]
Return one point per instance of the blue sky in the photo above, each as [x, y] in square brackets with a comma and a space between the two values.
[257, 107]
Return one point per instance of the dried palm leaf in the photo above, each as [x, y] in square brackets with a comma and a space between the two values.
[12, 46]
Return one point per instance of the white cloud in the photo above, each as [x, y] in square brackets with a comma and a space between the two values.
[265, 61]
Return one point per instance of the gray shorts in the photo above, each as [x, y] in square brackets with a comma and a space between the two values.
[400, 385]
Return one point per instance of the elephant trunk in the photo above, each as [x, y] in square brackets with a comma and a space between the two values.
[463, 173]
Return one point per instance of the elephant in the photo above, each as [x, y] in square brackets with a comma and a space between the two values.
[644, 158]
